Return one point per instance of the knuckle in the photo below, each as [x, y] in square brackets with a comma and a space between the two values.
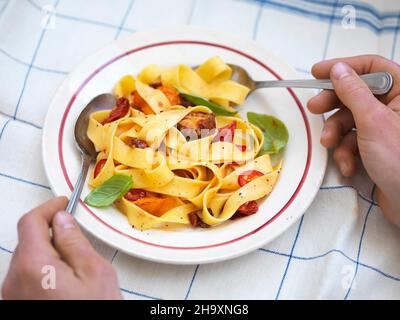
[103, 270]
[72, 239]
[25, 267]
[24, 221]
[338, 154]
[353, 86]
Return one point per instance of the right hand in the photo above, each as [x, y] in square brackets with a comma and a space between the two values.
[364, 124]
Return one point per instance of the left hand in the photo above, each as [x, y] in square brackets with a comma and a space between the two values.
[64, 266]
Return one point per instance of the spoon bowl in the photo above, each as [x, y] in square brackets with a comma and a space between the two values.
[85, 145]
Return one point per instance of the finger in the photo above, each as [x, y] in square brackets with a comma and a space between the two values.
[361, 65]
[354, 93]
[72, 245]
[323, 102]
[33, 228]
[344, 154]
[336, 126]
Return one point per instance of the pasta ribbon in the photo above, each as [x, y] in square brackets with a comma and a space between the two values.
[175, 177]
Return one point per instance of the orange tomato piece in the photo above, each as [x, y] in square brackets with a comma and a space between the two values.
[140, 104]
[156, 206]
[171, 94]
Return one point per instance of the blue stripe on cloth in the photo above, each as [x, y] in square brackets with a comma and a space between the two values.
[24, 181]
[113, 257]
[258, 18]
[139, 294]
[32, 62]
[8, 55]
[5, 250]
[360, 244]
[4, 128]
[328, 36]
[191, 282]
[328, 253]
[4, 7]
[359, 6]
[20, 120]
[352, 187]
[290, 259]
[121, 25]
[392, 55]
[83, 20]
[192, 11]
[376, 26]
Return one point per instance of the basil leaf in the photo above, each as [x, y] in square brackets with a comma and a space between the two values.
[111, 190]
[276, 134]
[199, 101]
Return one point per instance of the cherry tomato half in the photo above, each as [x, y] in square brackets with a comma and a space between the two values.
[247, 176]
[248, 208]
[226, 133]
[135, 194]
[99, 166]
[121, 109]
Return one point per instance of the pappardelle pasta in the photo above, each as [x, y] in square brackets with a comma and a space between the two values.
[173, 150]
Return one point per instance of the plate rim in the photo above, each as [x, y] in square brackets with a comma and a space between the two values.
[249, 248]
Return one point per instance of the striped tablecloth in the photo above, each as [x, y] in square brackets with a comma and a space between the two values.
[342, 248]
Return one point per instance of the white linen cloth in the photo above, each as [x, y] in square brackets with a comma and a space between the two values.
[342, 248]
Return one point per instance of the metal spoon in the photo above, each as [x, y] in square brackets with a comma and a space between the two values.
[379, 82]
[85, 145]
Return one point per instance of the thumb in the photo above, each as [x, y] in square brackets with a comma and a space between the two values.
[72, 245]
[353, 92]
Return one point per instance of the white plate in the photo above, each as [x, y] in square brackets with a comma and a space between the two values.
[303, 168]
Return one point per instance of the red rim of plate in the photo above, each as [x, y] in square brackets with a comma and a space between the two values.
[178, 42]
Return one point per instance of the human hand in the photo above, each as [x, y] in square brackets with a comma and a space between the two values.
[80, 272]
[376, 120]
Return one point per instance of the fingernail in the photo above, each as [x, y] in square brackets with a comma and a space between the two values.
[64, 220]
[340, 70]
[345, 167]
[324, 133]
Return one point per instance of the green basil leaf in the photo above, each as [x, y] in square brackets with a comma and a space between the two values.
[276, 134]
[111, 190]
[199, 101]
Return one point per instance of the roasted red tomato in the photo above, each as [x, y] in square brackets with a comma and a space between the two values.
[197, 122]
[121, 109]
[248, 208]
[226, 133]
[137, 143]
[246, 176]
[98, 167]
[135, 194]
[195, 221]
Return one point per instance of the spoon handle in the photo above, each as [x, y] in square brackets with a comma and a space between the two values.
[379, 83]
[75, 196]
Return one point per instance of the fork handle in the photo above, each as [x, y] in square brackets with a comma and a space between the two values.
[379, 83]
